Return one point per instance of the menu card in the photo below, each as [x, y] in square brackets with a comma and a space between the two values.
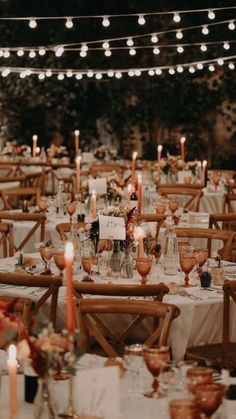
[111, 228]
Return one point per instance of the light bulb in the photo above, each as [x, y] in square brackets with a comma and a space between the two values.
[90, 73]
[132, 51]
[79, 76]
[211, 67]
[154, 38]
[28, 72]
[32, 23]
[83, 54]
[172, 71]
[106, 45]
[42, 51]
[60, 76]
[20, 52]
[118, 75]
[211, 15]
[191, 69]
[137, 73]
[6, 72]
[32, 54]
[226, 45]
[1, 53]
[110, 73]
[69, 74]
[180, 49]
[6, 54]
[199, 66]
[203, 47]
[69, 23]
[107, 52]
[231, 25]
[84, 47]
[105, 21]
[151, 72]
[41, 76]
[220, 61]
[180, 69]
[156, 51]
[59, 51]
[231, 66]
[131, 73]
[130, 42]
[205, 30]
[176, 17]
[141, 20]
[22, 75]
[98, 76]
[48, 73]
[158, 71]
[179, 34]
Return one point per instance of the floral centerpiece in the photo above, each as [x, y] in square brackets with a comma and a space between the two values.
[173, 164]
[100, 152]
[57, 152]
[11, 327]
[14, 149]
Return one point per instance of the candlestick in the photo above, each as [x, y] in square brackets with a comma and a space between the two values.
[78, 160]
[159, 150]
[182, 145]
[134, 157]
[94, 205]
[34, 145]
[69, 261]
[139, 194]
[76, 133]
[12, 372]
[204, 165]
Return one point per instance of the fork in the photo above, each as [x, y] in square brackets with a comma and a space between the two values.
[183, 293]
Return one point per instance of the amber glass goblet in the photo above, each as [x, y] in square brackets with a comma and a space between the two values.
[201, 256]
[209, 397]
[216, 180]
[187, 180]
[59, 259]
[161, 208]
[155, 359]
[87, 263]
[70, 208]
[46, 253]
[173, 205]
[187, 263]
[43, 204]
[184, 408]
[143, 266]
[198, 375]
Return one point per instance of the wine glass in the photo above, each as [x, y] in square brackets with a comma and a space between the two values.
[70, 208]
[59, 259]
[133, 361]
[209, 397]
[216, 180]
[187, 263]
[88, 259]
[155, 358]
[187, 180]
[201, 255]
[183, 408]
[173, 205]
[143, 266]
[43, 204]
[46, 253]
[161, 206]
[198, 375]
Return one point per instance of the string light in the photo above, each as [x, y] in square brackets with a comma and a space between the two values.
[154, 38]
[231, 66]
[32, 23]
[105, 21]
[59, 51]
[130, 42]
[156, 51]
[60, 76]
[226, 45]
[32, 54]
[158, 71]
[110, 73]
[171, 71]
[191, 69]
[231, 25]
[151, 73]
[141, 20]
[48, 73]
[20, 52]
[69, 74]
[107, 52]
[179, 34]
[6, 72]
[211, 15]
[84, 47]
[106, 45]
[90, 74]
[199, 66]
[176, 17]
[220, 61]
[42, 51]
[180, 69]
[137, 73]
[69, 23]
[79, 76]
[211, 67]
[132, 51]
[118, 75]
[131, 73]
[98, 76]
[41, 76]
[203, 47]
[205, 30]
[6, 53]
[83, 54]
[180, 49]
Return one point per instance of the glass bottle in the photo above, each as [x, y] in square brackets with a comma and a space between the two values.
[74, 239]
[60, 200]
[116, 256]
[170, 250]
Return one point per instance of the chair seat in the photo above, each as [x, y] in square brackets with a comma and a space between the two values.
[211, 355]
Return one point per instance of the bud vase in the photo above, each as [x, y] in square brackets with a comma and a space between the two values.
[127, 265]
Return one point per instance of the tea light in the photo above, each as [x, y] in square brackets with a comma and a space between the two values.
[76, 134]
[34, 145]
[94, 205]
[159, 150]
[12, 372]
[78, 161]
[134, 157]
[139, 194]
[182, 145]
[69, 261]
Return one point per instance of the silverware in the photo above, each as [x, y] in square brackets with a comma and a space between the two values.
[183, 293]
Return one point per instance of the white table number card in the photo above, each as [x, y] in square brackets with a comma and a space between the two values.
[97, 392]
[111, 228]
[98, 185]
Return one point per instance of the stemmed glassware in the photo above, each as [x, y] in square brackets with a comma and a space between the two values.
[155, 359]
[43, 204]
[173, 205]
[209, 397]
[46, 252]
[144, 266]
[88, 259]
[70, 208]
[59, 259]
[183, 408]
[216, 180]
[201, 255]
[133, 361]
[187, 263]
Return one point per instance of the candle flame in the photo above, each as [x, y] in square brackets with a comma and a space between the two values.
[76, 132]
[159, 148]
[182, 140]
[135, 154]
[35, 137]
[78, 160]
[204, 163]
[12, 352]
[69, 249]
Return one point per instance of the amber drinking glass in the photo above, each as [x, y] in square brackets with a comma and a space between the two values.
[183, 409]
[144, 266]
[155, 359]
[201, 256]
[46, 253]
[216, 180]
[43, 203]
[87, 263]
[59, 259]
[173, 205]
[198, 375]
[187, 263]
[209, 397]
[70, 208]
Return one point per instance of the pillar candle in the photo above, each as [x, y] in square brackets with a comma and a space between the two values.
[37, 151]
[139, 194]
[12, 372]
[204, 165]
[78, 161]
[94, 205]
[34, 145]
[140, 247]
[182, 145]
[134, 157]
[76, 133]
[69, 260]
[159, 150]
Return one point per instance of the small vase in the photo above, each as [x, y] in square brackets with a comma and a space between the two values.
[44, 405]
[127, 266]
[115, 260]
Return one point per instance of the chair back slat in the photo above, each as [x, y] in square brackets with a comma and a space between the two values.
[192, 195]
[229, 289]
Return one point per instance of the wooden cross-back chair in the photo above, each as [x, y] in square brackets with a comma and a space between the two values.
[6, 239]
[49, 284]
[22, 308]
[88, 319]
[13, 198]
[231, 187]
[105, 168]
[36, 180]
[221, 354]
[225, 221]
[210, 234]
[64, 228]
[230, 202]
[154, 218]
[38, 219]
[192, 196]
